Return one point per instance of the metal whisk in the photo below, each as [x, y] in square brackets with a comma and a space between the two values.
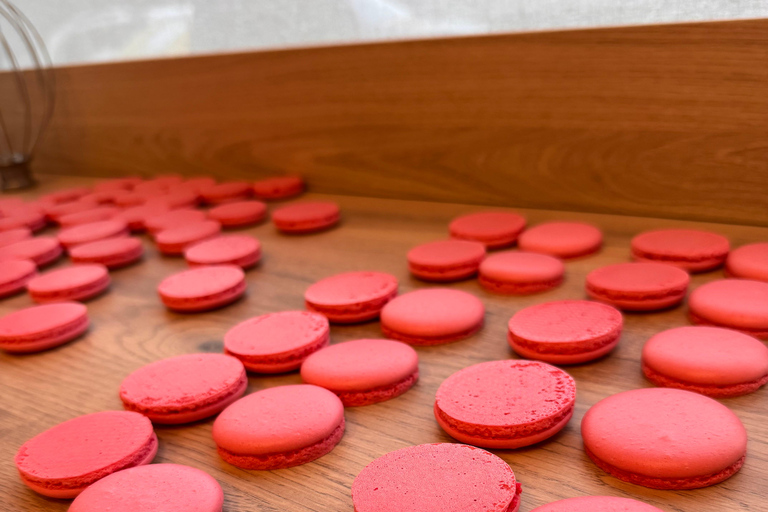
[27, 93]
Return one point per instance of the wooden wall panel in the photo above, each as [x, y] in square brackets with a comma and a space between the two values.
[659, 120]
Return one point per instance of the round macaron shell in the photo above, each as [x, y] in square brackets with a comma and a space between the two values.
[62, 461]
[279, 187]
[202, 288]
[432, 316]
[152, 488]
[92, 231]
[351, 296]
[111, 252]
[77, 282]
[43, 250]
[184, 388]
[562, 239]
[664, 438]
[363, 372]
[87, 216]
[740, 304]
[708, 360]
[173, 219]
[174, 241]
[747, 262]
[14, 275]
[518, 272]
[14, 235]
[239, 214]
[437, 477]
[639, 286]
[241, 250]
[226, 192]
[446, 260]
[597, 504]
[494, 229]
[279, 427]
[306, 217]
[42, 327]
[692, 250]
[137, 216]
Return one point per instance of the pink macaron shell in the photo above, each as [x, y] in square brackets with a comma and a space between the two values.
[279, 427]
[748, 262]
[76, 282]
[92, 231]
[505, 404]
[664, 438]
[14, 235]
[351, 297]
[363, 372]
[65, 196]
[227, 191]
[277, 342]
[111, 252]
[597, 504]
[241, 250]
[184, 388]
[176, 198]
[690, 249]
[306, 217]
[135, 216]
[173, 219]
[446, 260]
[14, 275]
[279, 187]
[441, 477]
[85, 217]
[43, 250]
[174, 241]
[239, 214]
[562, 239]
[521, 273]
[432, 316]
[202, 288]
[638, 286]
[740, 304]
[494, 229]
[152, 488]
[42, 327]
[62, 461]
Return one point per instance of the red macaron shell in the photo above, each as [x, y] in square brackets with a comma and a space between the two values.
[241, 250]
[566, 331]
[62, 461]
[184, 389]
[692, 250]
[14, 235]
[521, 273]
[88, 216]
[136, 216]
[43, 250]
[177, 198]
[641, 286]
[152, 488]
[562, 239]
[505, 404]
[279, 187]
[307, 217]
[279, 427]
[748, 262]
[239, 214]
[351, 296]
[77, 282]
[65, 196]
[127, 199]
[494, 229]
[111, 252]
[42, 327]
[226, 192]
[708, 360]
[740, 304]
[202, 288]
[432, 316]
[23, 217]
[14, 275]
[597, 504]
[174, 241]
[173, 219]
[363, 372]
[446, 260]
[440, 477]
[664, 438]
[93, 231]
[277, 342]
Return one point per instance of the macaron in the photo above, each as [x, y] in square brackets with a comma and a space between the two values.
[712, 361]
[747, 262]
[57, 210]
[437, 477]
[152, 488]
[241, 250]
[740, 304]
[126, 199]
[173, 219]
[279, 427]
[351, 296]
[432, 316]
[638, 286]
[689, 249]
[564, 240]
[226, 192]
[42, 327]
[521, 273]
[307, 217]
[664, 438]
[65, 196]
[176, 198]
[446, 260]
[174, 241]
[494, 229]
[184, 389]
[597, 504]
[14, 235]
[136, 216]
[279, 187]
[64, 460]
[110, 252]
[42, 250]
[565, 331]
[88, 216]
[77, 282]
[14, 275]
[277, 342]
[505, 404]
[363, 372]
[202, 288]
[23, 217]
[239, 214]
[84, 233]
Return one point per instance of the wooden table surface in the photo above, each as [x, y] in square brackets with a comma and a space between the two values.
[130, 328]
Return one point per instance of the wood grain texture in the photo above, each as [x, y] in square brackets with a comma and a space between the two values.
[132, 328]
[654, 121]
